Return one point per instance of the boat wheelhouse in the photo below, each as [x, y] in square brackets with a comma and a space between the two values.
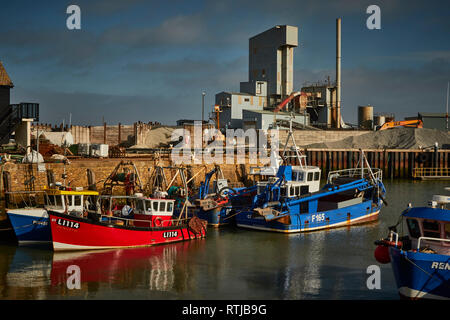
[139, 210]
[420, 259]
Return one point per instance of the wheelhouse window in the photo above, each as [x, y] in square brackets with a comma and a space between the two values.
[316, 176]
[447, 230]
[431, 229]
[310, 176]
[77, 201]
[148, 205]
[162, 206]
[50, 200]
[140, 205]
[155, 206]
[58, 201]
[413, 227]
[170, 206]
[300, 176]
[69, 200]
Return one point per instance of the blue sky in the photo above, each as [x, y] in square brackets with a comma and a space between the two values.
[150, 60]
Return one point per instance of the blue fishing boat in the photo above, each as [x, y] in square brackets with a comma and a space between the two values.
[218, 204]
[420, 259]
[292, 200]
[28, 211]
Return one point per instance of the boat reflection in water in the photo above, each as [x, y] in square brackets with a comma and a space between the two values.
[155, 268]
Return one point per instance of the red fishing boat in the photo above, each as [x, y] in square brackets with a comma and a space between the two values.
[136, 222]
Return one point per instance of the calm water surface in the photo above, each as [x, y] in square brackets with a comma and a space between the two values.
[230, 263]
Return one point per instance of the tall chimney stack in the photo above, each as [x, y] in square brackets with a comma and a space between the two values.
[338, 73]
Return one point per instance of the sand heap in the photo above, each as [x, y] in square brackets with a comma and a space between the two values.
[396, 138]
[156, 137]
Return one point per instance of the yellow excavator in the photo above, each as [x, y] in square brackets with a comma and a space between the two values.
[406, 123]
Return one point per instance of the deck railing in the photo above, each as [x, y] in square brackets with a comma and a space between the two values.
[24, 199]
[376, 173]
[393, 234]
[431, 172]
[431, 239]
[130, 221]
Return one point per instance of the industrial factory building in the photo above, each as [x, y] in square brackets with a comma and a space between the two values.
[270, 80]
[270, 88]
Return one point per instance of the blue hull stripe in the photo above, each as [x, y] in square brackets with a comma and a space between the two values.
[305, 222]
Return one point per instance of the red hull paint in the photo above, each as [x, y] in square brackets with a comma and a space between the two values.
[108, 265]
[71, 233]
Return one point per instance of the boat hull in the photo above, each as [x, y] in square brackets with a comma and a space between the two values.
[306, 222]
[31, 226]
[72, 233]
[216, 217]
[421, 275]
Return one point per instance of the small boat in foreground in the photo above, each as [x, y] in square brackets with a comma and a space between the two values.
[124, 221]
[420, 259]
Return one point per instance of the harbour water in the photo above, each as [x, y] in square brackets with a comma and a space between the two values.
[231, 263]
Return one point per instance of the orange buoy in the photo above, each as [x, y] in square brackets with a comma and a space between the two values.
[382, 254]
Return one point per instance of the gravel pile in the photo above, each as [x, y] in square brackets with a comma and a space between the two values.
[396, 138]
[156, 137]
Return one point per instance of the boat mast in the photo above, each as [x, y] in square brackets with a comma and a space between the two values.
[362, 163]
[446, 114]
[291, 135]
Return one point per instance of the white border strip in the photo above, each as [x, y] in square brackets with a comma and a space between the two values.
[416, 294]
[339, 224]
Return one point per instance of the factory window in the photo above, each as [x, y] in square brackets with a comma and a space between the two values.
[246, 99]
[258, 88]
[263, 72]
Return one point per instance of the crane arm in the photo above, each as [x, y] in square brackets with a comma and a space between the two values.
[406, 123]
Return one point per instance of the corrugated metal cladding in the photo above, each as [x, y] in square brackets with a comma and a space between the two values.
[434, 120]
